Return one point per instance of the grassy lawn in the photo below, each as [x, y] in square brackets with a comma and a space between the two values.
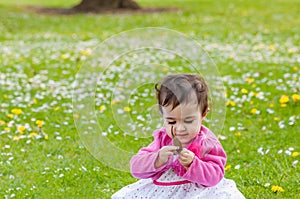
[254, 44]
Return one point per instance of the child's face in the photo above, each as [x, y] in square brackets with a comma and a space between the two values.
[186, 120]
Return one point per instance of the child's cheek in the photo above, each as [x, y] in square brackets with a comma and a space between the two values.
[168, 131]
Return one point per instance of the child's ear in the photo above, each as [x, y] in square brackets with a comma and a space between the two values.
[204, 114]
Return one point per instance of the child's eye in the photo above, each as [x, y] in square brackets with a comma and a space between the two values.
[171, 122]
[189, 121]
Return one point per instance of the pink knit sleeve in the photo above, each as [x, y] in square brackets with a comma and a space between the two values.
[142, 164]
[207, 170]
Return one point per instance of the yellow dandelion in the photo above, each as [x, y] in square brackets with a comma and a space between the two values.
[114, 102]
[271, 105]
[86, 52]
[39, 123]
[272, 47]
[230, 103]
[238, 134]
[277, 188]
[254, 111]
[296, 68]
[231, 56]
[76, 116]
[33, 134]
[276, 119]
[64, 56]
[56, 108]
[34, 101]
[16, 138]
[165, 69]
[250, 80]
[254, 85]
[102, 108]
[10, 116]
[244, 91]
[296, 97]
[127, 109]
[284, 99]
[292, 50]
[283, 105]
[16, 111]
[227, 167]
[2, 122]
[127, 83]
[21, 129]
[260, 46]
[252, 94]
[7, 129]
[295, 153]
[46, 137]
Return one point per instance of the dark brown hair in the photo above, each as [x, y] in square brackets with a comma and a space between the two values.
[180, 88]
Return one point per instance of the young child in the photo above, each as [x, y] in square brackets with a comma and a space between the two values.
[185, 160]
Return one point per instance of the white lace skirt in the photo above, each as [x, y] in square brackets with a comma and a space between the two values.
[171, 186]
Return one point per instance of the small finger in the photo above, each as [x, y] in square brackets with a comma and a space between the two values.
[174, 147]
[184, 151]
[182, 158]
[184, 154]
[169, 153]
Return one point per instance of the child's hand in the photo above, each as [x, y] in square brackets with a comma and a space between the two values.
[164, 154]
[186, 158]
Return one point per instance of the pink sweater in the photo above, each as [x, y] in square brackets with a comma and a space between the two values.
[206, 169]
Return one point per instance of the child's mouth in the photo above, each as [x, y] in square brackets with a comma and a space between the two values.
[181, 135]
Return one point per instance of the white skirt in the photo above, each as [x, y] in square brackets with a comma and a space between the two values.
[146, 188]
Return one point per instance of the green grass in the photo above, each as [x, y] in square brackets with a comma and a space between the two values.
[41, 54]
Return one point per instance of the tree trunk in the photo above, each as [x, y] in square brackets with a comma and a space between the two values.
[99, 5]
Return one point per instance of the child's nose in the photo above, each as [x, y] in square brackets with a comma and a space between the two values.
[180, 126]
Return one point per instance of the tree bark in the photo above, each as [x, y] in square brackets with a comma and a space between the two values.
[99, 5]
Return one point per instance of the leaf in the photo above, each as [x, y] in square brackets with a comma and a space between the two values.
[176, 142]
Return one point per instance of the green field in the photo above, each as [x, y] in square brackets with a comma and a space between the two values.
[254, 44]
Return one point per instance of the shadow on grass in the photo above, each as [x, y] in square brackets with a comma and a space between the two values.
[74, 11]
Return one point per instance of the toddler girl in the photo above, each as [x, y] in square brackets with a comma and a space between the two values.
[185, 160]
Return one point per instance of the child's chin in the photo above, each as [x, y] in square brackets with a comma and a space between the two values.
[185, 142]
